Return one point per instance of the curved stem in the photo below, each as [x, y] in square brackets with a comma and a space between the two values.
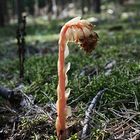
[61, 102]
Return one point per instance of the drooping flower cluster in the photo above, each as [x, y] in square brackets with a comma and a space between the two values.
[81, 32]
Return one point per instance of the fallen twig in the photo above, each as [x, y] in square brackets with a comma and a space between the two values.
[89, 113]
[12, 96]
[6, 93]
[125, 126]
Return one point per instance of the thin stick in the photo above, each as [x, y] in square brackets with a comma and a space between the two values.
[21, 45]
[89, 113]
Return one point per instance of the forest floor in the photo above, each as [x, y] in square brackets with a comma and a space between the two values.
[114, 65]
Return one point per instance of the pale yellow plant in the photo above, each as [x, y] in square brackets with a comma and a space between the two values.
[80, 32]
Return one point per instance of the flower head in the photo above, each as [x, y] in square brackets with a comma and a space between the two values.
[81, 32]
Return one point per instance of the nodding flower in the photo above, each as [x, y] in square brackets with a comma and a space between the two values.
[81, 32]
